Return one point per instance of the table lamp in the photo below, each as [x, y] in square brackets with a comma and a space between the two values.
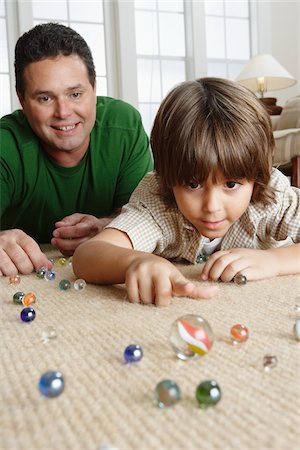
[264, 73]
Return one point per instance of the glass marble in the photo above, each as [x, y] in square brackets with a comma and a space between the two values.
[28, 299]
[27, 314]
[15, 279]
[40, 273]
[191, 336]
[48, 334]
[18, 297]
[167, 393]
[51, 384]
[269, 362]
[239, 333]
[79, 285]
[297, 310]
[61, 262]
[64, 285]
[240, 279]
[296, 330]
[50, 275]
[200, 259]
[208, 393]
[133, 353]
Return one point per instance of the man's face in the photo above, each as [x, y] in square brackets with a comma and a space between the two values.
[60, 105]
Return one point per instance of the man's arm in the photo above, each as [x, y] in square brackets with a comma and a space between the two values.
[77, 228]
[109, 258]
[19, 253]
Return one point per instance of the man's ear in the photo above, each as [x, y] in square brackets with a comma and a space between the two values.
[21, 99]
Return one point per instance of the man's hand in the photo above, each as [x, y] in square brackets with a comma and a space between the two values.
[74, 229]
[19, 253]
[254, 264]
[152, 279]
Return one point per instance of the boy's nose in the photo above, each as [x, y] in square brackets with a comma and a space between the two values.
[212, 201]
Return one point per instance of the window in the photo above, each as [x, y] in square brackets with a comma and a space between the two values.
[160, 52]
[227, 37]
[141, 48]
[5, 104]
[84, 17]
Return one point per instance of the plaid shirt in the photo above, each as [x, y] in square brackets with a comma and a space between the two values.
[154, 227]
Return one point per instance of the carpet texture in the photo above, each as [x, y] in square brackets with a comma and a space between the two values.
[108, 404]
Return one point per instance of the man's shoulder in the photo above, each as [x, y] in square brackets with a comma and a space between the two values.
[15, 126]
[112, 112]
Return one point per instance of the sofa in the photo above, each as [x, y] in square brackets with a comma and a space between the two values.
[286, 129]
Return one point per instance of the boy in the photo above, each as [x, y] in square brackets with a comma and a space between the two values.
[214, 192]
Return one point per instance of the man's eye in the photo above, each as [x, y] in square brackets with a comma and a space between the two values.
[193, 185]
[76, 95]
[44, 99]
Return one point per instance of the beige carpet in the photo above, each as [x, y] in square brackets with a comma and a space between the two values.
[107, 403]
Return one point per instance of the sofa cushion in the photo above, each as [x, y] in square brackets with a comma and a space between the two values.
[287, 145]
[290, 116]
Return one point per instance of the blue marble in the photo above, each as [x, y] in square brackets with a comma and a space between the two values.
[133, 353]
[51, 384]
[27, 314]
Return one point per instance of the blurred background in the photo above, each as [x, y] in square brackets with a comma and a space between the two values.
[143, 48]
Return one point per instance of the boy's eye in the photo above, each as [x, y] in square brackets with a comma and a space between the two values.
[194, 185]
[231, 184]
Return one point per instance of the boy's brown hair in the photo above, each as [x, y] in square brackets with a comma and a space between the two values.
[208, 125]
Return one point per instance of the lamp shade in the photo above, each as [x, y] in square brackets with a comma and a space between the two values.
[264, 73]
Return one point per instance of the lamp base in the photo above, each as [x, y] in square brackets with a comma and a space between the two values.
[270, 105]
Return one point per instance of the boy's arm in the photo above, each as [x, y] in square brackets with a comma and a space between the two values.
[254, 264]
[108, 258]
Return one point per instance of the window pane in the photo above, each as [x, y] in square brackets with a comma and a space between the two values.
[216, 69]
[94, 36]
[87, 11]
[101, 88]
[215, 37]
[5, 105]
[56, 9]
[172, 39]
[237, 8]
[2, 8]
[146, 33]
[214, 8]
[237, 39]
[148, 112]
[3, 47]
[173, 72]
[149, 84]
[234, 69]
[144, 4]
[166, 5]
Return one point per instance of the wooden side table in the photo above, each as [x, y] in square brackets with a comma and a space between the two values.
[296, 171]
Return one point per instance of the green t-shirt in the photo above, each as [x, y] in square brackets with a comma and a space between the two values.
[35, 192]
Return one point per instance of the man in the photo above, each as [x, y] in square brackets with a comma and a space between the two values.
[68, 160]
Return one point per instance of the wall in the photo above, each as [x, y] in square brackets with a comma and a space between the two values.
[279, 34]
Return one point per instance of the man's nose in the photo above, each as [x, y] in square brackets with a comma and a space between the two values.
[62, 108]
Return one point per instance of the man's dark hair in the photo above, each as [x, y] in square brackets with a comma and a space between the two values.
[47, 41]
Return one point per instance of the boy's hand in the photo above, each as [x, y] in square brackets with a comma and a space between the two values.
[152, 279]
[254, 264]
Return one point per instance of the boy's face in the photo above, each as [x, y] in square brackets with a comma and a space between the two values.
[213, 207]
